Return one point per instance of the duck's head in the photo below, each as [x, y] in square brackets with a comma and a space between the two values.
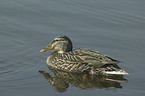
[61, 43]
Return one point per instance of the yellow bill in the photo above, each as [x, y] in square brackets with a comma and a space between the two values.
[46, 49]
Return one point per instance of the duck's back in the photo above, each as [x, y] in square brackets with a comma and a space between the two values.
[94, 57]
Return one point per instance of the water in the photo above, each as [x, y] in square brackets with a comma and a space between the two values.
[114, 27]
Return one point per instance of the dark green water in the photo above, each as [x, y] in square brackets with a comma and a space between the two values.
[113, 27]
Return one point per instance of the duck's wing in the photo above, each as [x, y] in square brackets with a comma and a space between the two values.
[93, 57]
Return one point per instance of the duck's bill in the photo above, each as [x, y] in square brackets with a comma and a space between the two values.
[46, 49]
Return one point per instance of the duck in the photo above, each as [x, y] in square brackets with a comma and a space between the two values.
[81, 60]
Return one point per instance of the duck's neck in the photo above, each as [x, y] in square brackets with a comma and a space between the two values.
[61, 52]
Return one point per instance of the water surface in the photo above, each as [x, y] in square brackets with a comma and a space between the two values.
[114, 27]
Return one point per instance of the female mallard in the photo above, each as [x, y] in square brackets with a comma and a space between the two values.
[80, 60]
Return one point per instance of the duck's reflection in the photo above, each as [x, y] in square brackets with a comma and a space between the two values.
[60, 82]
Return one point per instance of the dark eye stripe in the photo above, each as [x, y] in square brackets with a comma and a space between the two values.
[56, 41]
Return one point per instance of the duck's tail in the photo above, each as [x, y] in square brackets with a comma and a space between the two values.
[117, 72]
[114, 69]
